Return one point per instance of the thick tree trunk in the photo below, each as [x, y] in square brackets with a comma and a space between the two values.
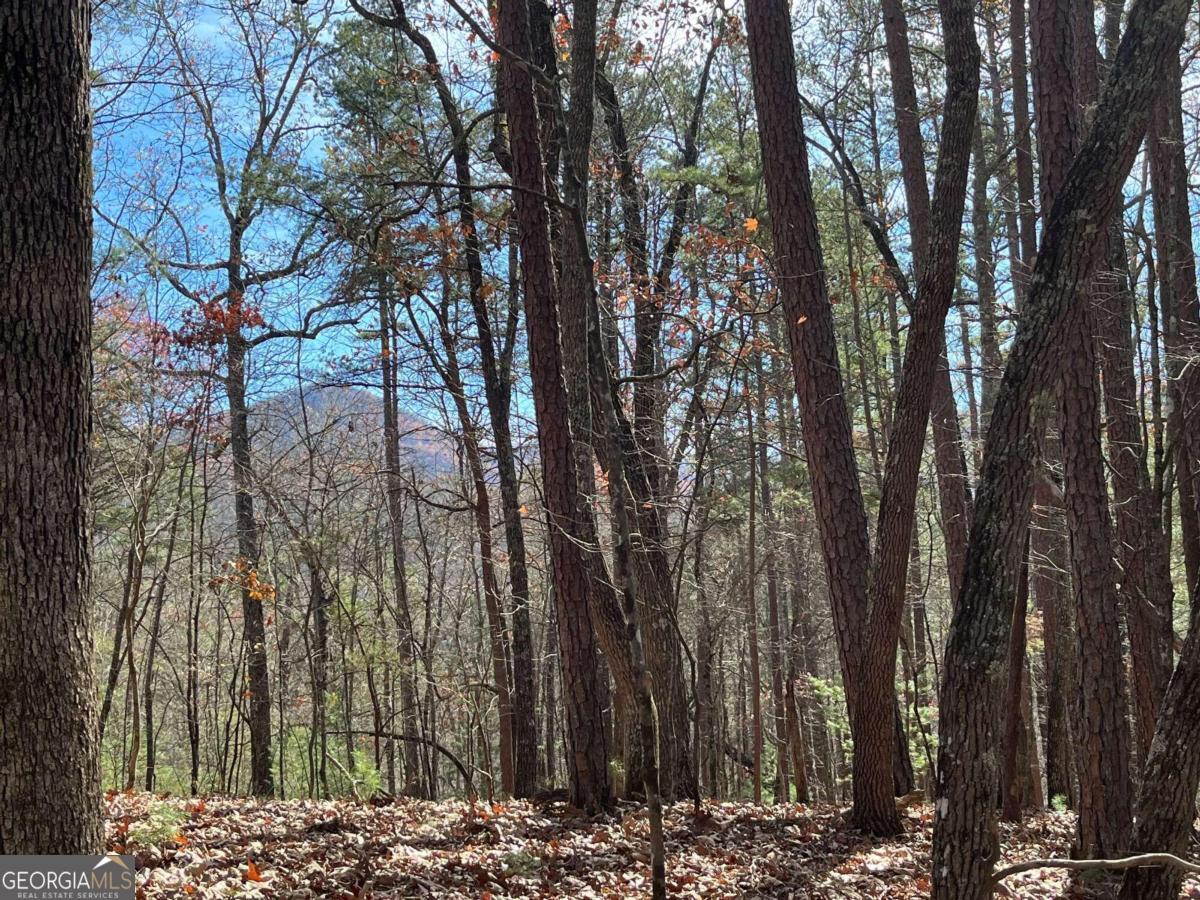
[577, 295]
[965, 836]
[1102, 746]
[874, 807]
[254, 632]
[49, 779]
[800, 273]
[1167, 804]
[587, 753]
[1146, 589]
[1171, 774]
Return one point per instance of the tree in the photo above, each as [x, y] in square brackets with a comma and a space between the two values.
[871, 611]
[587, 758]
[1102, 744]
[49, 775]
[874, 808]
[1171, 772]
[248, 181]
[495, 368]
[965, 839]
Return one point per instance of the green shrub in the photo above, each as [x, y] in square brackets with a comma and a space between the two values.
[160, 826]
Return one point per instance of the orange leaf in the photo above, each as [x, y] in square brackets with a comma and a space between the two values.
[252, 873]
[751, 225]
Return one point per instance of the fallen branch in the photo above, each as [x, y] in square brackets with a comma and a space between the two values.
[1084, 865]
[414, 739]
[349, 775]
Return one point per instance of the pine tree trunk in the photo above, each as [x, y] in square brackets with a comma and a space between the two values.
[1181, 309]
[587, 754]
[49, 779]
[874, 808]
[1146, 590]
[966, 842]
[800, 272]
[1170, 778]
[949, 458]
[1102, 746]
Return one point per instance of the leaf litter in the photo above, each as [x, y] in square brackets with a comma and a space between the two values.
[234, 847]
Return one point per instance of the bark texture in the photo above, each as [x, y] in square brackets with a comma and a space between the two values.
[800, 271]
[587, 753]
[49, 778]
[965, 835]
[874, 806]
[1061, 57]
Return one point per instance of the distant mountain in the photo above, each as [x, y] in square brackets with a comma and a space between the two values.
[346, 414]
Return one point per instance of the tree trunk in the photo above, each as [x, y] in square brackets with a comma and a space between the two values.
[394, 490]
[874, 806]
[49, 781]
[587, 755]
[753, 664]
[1181, 308]
[1167, 804]
[254, 632]
[1102, 746]
[1015, 724]
[949, 458]
[481, 509]
[1171, 773]
[774, 625]
[497, 392]
[800, 273]
[1146, 589]
[966, 842]
[644, 445]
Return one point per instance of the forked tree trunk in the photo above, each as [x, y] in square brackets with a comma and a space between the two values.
[949, 458]
[587, 755]
[49, 781]
[1102, 746]
[965, 836]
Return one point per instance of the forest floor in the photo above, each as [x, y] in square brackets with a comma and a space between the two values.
[221, 846]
